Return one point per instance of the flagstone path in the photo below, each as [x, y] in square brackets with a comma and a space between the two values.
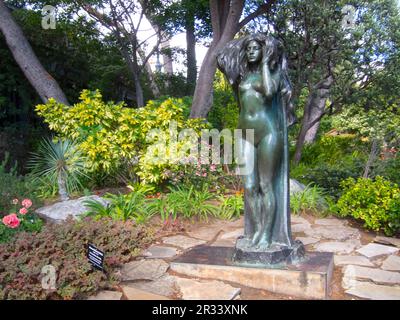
[365, 267]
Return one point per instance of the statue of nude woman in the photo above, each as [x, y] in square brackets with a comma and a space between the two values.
[256, 68]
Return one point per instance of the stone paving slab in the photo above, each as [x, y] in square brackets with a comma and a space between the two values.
[354, 260]
[297, 219]
[372, 250]
[133, 293]
[301, 227]
[388, 240]
[160, 252]
[374, 291]
[206, 289]
[330, 222]
[144, 270]
[378, 276]
[106, 295]
[233, 234]
[337, 247]
[307, 240]
[333, 233]
[205, 233]
[165, 286]
[182, 241]
[392, 263]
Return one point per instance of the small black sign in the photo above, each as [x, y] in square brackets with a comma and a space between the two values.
[96, 257]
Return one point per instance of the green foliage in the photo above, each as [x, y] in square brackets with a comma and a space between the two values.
[59, 159]
[224, 113]
[375, 202]
[110, 135]
[64, 247]
[329, 161]
[13, 186]
[312, 199]
[187, 202]
[388, 168]
[231, 206]
[132, 206]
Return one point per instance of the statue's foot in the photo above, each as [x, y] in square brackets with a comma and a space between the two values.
[256, 238]
[264, 243]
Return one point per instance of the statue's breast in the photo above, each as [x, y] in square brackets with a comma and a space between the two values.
[251, 83]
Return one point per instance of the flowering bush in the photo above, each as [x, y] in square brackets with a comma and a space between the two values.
[63, 246]
[21, 219]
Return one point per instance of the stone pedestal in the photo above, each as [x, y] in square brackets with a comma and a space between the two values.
[308, 278]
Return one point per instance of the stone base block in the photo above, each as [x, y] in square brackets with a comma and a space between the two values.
[309, 278]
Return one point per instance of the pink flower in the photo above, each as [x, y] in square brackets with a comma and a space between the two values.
[15, 201]
[205, 174]
[213, 167]
[27, 203]
[23, 211]
[11, 221]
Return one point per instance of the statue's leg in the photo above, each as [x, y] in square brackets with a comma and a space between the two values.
[251, 189]
[269, 155]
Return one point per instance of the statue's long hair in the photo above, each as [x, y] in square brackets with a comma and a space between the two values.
[232, 61]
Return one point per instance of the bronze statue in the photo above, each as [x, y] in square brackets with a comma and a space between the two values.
[256, 67]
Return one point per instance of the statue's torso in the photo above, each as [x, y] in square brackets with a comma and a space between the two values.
[255, 110]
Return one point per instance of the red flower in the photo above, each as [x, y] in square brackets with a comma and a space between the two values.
[27, 203]
[11, 221]
[23, 211]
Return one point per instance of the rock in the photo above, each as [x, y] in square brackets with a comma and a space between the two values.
[205, 233]
[160, 252]
[354, 260]
[295, 186]
[144, 270]
[337, 247]
[238, 223]
[224, 243]
[233, 234]
[183, 241]
[387, 240]
[352, 273]
[333, 232]
[206, 289]
[372, 250]
[133, 293]
[301, 227]
[106, 295]
[165, 286]
[297, 219]
[330, 222]
[373, 291]
[307, 240]
[59, 212]
[391, 263]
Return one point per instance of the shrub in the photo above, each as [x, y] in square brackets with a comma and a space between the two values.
[111, 135]
[312, 198]
[64, 247]
[375, 202]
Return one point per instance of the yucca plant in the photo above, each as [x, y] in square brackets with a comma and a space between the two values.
[61, 163]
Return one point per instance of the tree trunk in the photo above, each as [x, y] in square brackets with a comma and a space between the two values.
[191, 55]
[45, 85]
[62, 188]
[313, 112]
[153, 85]
[167, 60]
[371, 158]
[225, 15]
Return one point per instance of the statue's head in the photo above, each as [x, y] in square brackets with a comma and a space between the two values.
[240, 55]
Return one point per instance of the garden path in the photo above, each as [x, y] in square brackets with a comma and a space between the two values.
[366, 267]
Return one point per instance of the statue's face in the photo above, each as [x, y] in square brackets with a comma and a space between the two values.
[254, 51]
